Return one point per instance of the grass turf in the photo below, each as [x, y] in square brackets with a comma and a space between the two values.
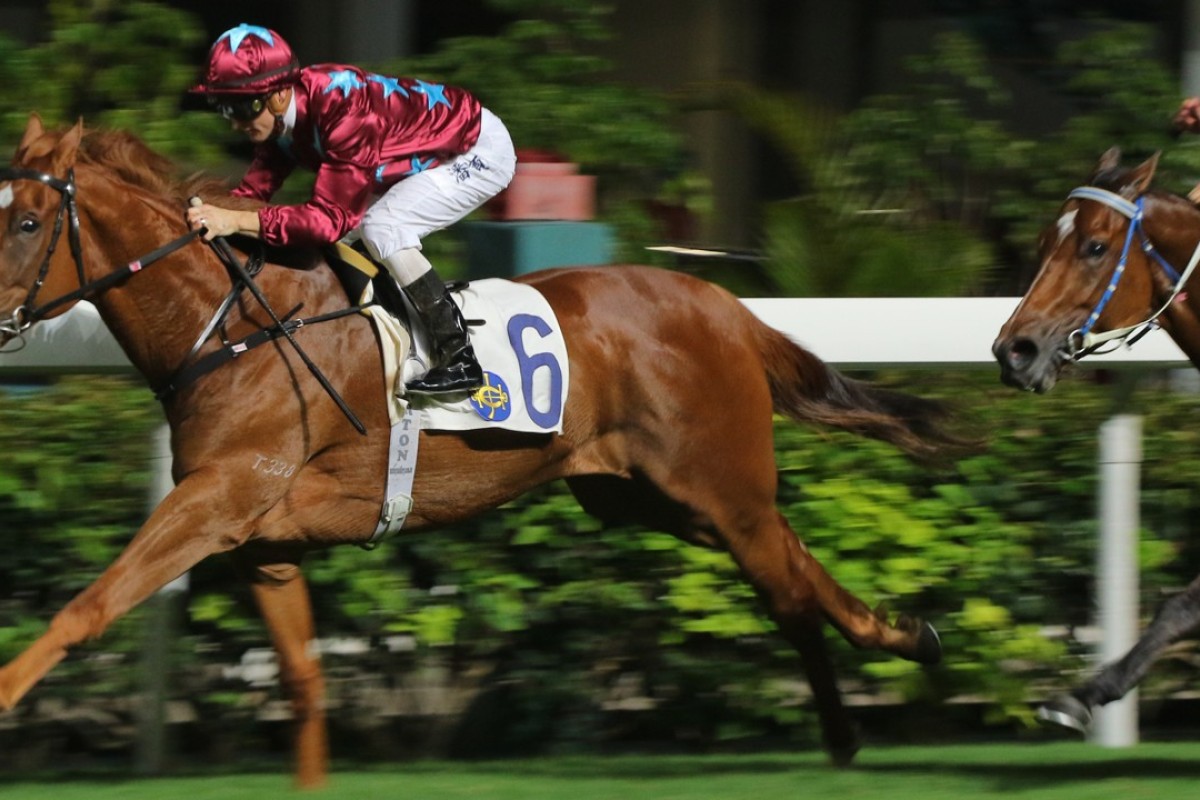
[1053, 771]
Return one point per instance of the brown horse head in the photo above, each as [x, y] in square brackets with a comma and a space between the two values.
[80, 210]
[1097, 282]
[33, 204]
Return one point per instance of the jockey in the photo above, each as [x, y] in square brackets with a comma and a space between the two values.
[430, 152]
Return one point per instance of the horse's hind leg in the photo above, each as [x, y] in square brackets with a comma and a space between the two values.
[800, 595]
[1179, 616]
[282, 595]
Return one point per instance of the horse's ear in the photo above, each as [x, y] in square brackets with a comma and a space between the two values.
[1110, 160]
[33, 132]
[1141, 176]
[68, 146]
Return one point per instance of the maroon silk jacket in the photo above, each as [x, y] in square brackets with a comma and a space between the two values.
[361, 133]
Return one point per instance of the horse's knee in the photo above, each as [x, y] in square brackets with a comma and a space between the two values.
[80, 621]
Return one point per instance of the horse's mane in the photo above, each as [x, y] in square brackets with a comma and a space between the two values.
[136, 163]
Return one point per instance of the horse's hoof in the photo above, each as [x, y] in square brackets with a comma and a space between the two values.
[1066, 711]
[929, 646]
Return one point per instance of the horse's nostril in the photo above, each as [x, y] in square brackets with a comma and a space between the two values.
[1021, 352]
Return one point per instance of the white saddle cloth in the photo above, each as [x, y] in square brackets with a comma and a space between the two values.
[519, 346]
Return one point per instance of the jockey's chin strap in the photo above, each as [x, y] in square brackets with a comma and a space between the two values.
[1084, 341]
[27, 314]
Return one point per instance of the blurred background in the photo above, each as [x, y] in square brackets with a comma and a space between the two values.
[787, 148]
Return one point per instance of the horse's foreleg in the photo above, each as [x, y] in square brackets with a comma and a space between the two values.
[1178, 616]
[179, 534]
[283, 600]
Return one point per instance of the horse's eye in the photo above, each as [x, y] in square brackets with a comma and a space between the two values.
[29, 225]
[1095, 249]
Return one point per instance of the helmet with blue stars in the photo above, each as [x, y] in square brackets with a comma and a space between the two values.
[248, 59]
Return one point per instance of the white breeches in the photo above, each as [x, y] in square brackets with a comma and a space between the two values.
[432, 200]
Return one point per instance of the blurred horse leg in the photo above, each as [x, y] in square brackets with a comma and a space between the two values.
[282, 595]
[181, 532]
[908, 638]
[800, 595]
[1178, 617]
[779, 567]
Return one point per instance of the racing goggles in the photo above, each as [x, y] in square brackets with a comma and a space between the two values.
[239, 109]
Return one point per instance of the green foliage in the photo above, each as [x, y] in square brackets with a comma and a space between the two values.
[69, 500]
[592, 634]
[580, 625]
[116, 64]
[936, 190]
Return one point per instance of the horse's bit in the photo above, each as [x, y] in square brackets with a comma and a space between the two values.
[1083, 341]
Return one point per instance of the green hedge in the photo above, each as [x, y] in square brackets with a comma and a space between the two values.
[545, 628]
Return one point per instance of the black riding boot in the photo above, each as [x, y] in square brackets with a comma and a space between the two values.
[453, 367]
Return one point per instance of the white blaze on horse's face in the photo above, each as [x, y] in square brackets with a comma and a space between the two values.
[6, 196]
[1066, 225]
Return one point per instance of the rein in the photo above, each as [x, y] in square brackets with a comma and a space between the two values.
[1084, 341]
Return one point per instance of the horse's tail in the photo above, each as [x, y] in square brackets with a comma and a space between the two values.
[807, 389]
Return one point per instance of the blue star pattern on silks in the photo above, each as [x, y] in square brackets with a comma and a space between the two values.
[389, 85]
[345, 80]
[419, 166]
[435, 93]
[236, 35]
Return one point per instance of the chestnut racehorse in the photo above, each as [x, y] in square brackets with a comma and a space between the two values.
[1119, 258]
[673, 384]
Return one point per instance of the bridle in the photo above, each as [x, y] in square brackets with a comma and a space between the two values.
[1083, 340]
[27, 314]
[23, 317]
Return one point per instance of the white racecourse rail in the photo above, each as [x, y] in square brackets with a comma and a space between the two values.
[850, 333]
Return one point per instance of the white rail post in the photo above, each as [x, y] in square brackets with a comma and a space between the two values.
[152, 748]
[1116, 724]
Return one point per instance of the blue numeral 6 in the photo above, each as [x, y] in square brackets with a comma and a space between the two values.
[530, 364]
